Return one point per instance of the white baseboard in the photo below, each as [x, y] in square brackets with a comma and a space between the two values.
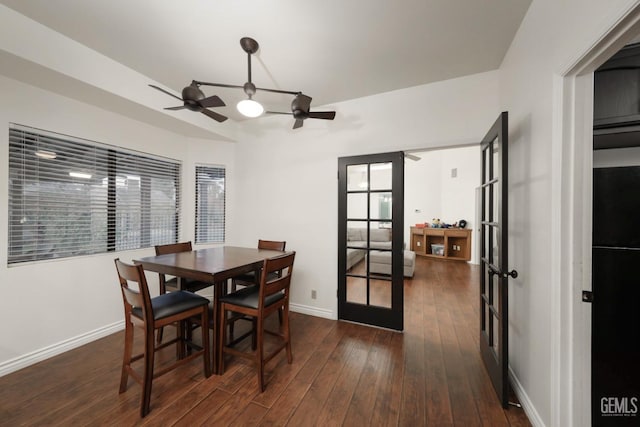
[312, 311]
[526, 403]
[34, 357]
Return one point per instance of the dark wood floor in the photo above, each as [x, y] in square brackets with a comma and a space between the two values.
[342, 374]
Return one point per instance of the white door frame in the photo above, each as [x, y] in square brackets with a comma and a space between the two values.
[572, 167]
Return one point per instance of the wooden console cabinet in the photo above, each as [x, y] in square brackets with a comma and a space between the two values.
[456, 242]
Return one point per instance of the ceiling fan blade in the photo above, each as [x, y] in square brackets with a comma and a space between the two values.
[179, 107]
[301, 102]
[298, 123]
[326, 115]
[215, 116]
[212, 101]
[167, 92]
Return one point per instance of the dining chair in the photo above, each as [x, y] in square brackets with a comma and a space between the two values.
[250, 279]
[150, 314]
[258, 302]
[174, 283]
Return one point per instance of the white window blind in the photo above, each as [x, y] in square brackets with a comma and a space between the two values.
[69, 196]
[210, 204]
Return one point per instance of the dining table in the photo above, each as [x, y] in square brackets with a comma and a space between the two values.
[211, 265]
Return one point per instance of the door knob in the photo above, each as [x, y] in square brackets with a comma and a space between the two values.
[512, 273]
[505, 275]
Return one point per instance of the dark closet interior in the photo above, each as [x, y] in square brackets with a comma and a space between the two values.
[615, 341]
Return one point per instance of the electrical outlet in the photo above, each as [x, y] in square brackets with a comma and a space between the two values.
[313, 294]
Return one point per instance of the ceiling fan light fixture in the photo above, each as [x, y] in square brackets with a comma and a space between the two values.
[250, 108]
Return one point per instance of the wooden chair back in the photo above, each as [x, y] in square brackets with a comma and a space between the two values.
[269, 285]
[273, 245]
[171, 283]
[173, 248]
[134, 297]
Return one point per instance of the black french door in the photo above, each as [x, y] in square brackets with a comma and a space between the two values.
[370, 239]
[494, 257]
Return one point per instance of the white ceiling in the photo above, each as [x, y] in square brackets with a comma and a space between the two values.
[332, 50]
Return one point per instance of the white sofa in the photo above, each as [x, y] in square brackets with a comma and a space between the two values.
[380, 262]
[357, 238]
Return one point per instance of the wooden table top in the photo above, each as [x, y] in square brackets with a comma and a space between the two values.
[210, 264]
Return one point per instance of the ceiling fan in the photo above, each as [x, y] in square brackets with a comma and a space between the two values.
[300, 110]
[195, 100]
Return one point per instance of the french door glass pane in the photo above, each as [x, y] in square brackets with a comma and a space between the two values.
[357, 290]
[486, 164]
[487, 206]
[357, 177]
[495, 199]
[495, 255]
[495, 147]
[495, 283]
[380, 292]
[485, 321]
[381, 205]
[381, 176]
[496, 335]
[357, 205]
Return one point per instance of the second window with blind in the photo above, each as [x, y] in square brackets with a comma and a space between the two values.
[210, 204]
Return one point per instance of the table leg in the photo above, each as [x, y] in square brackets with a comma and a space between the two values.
[219, 287]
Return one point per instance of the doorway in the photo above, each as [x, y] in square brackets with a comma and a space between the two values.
[572, 268]
[615, 336]
[441, 183]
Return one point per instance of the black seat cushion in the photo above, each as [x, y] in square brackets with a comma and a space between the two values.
[246, 277]
[249, 296]
[251, 277]
[187, 284]
[166, 305]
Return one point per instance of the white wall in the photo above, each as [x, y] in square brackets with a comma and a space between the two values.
[46, 306]
[422, 189]
[288, 179]
[430, 189]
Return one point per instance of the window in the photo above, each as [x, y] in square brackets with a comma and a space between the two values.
[71, 197]
[210, 195]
